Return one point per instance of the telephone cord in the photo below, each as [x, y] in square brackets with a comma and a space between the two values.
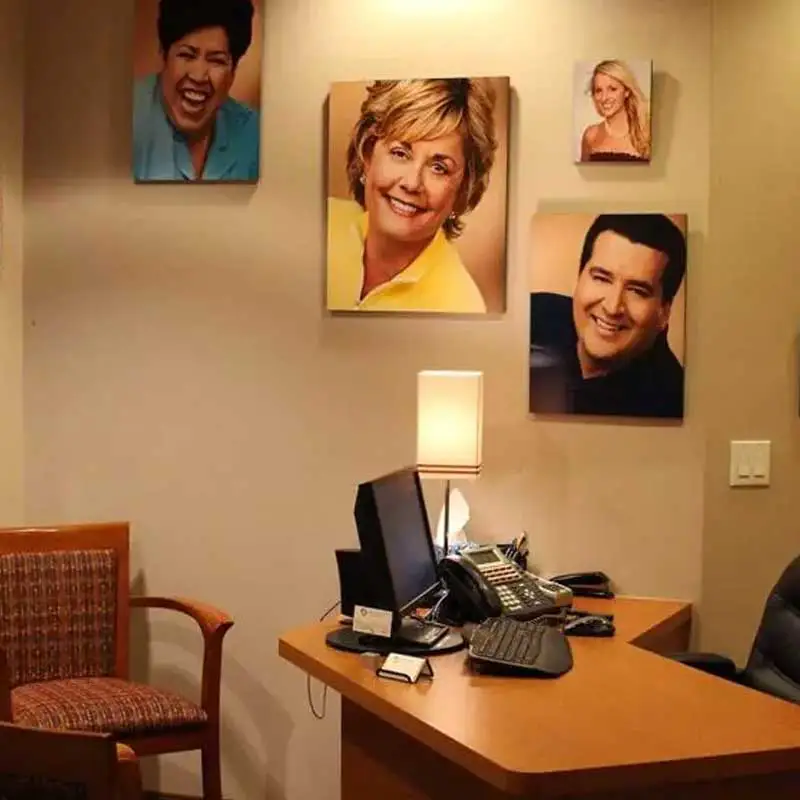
[319, 714]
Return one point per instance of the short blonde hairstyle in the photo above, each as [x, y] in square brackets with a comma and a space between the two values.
[411, 110]
[636, 104]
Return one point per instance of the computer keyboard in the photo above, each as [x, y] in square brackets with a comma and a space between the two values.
[506, 645]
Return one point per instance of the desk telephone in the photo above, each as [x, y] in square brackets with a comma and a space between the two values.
[482, 583]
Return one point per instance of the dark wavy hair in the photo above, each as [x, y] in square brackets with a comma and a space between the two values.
[177, 18]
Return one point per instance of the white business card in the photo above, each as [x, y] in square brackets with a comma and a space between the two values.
[375, 621]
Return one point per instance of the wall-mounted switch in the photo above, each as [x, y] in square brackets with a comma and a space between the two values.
[750, 463]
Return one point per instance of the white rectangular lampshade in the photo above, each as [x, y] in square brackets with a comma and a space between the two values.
[449, 423]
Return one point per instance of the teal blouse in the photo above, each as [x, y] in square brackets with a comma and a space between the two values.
[160, 152]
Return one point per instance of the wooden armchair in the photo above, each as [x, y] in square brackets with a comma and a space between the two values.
[64, 627]
[37, 764]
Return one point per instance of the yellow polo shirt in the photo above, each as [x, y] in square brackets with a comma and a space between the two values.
[435, 281]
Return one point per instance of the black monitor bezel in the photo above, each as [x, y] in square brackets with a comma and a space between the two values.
[373, 548]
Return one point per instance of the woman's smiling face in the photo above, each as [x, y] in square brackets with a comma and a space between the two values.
[608, 94]
[196, 79]
[411, 188]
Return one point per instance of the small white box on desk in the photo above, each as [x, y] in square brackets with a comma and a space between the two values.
[405, 668]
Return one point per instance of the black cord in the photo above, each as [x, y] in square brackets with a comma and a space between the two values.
[332, 608]
[319, 714]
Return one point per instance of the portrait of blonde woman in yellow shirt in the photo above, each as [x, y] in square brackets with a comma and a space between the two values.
[418, 160]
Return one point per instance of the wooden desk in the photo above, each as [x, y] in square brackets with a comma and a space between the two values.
[624, 723]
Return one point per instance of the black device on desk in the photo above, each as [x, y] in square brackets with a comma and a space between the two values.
[586, 584]
[398, 567]
[483, 582]
[509, 646]
[587, 623]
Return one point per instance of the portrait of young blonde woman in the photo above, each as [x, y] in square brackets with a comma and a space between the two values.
[417, 195]
[612, 110]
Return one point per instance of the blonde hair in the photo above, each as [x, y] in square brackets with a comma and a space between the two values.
[411, 110]
[636, 104]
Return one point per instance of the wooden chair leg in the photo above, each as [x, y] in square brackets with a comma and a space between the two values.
[129, 776]
[212, 777]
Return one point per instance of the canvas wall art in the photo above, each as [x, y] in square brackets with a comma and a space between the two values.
[612, 110]
[416, 195]
[196, 93]
[607, 314]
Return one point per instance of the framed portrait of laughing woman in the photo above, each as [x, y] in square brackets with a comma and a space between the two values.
[196, 93]
[416, 195]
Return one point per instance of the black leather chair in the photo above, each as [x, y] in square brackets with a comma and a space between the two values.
[774, 662]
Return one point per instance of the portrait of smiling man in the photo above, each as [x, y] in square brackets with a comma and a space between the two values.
[615, 346]
[195, 100]
[416, 195]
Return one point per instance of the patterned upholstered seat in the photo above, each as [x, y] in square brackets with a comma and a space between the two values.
[103, 705]
[64, 631]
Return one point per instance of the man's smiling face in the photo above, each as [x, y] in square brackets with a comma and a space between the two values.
[196, 79]
[618, 307]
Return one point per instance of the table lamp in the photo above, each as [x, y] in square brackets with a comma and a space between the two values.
[449, 429]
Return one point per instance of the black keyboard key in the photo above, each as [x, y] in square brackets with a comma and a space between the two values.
[534, 646]
[519, 646]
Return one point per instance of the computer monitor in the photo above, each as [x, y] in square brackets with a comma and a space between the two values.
[396, 546]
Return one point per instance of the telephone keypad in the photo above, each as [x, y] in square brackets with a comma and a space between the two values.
[520, 594]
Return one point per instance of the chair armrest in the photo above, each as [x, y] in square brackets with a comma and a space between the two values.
[209, 619]
[214, 624]
[712, 663]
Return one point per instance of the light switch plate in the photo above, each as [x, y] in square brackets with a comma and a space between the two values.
[750, 463]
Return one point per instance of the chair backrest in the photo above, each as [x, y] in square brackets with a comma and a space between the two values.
[38, 764]
[64, 602]
[774, 662]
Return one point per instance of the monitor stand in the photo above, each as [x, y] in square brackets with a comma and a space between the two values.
[419, 632]
[405, 641]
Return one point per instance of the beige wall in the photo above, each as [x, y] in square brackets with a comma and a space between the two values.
[748, 305]
[11, 433]
[181, 373]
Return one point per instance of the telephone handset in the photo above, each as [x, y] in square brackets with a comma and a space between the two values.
[470, 596]
[483, 582]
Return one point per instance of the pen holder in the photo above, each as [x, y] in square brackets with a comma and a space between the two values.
[518, 558]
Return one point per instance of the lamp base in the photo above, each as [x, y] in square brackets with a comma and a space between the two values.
[455, 510]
